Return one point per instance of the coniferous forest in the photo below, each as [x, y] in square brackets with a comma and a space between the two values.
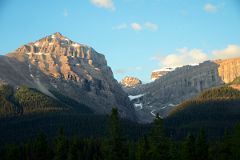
[155, 144]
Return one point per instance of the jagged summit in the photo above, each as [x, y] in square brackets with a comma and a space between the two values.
[58, 34]
[54, 44]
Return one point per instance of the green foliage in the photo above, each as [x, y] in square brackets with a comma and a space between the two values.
[32, 100]
[24, 100]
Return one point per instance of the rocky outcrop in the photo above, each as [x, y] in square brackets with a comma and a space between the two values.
[56, 63]
[183, 83]
[130, 82]
[156, 74]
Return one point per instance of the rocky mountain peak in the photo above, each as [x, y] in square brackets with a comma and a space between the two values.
[57, 63]
[60, 57]
[130, 81]
[54, 44]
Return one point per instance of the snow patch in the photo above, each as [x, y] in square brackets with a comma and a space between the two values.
[53, 36]
[138, 105]
[97, 69]
[194, 64]
[135, 97]
[164, 107]
[31, 75]
[172, 105]
[165, 69]
[152, 112]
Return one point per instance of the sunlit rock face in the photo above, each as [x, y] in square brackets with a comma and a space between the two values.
[156, 74]
[130, 82]
[57, 63]
[183, 83]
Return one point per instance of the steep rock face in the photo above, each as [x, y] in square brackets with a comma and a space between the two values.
[183, 83]
[130, 82]
[228, 69]
[55, 63]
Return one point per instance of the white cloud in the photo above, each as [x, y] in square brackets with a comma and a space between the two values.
[120, 26]
[210, 8]
[185, 56]
[182, 57]
[230, 51]
[108, 4]
[151, 26]
[65, 13]
[136, 26]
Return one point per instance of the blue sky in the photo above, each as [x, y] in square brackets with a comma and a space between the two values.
[136, 36]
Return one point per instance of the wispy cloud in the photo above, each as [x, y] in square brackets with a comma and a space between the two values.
[210, 8]
[65, 13]
[120, 26]
[136, 26]
[185, 56]
[126, 70]
[108, 4]
[151, 26]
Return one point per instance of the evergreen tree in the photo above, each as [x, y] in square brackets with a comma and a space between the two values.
[236, 142]
[73, 153]
[116, 149]
[143, 149]
[61, 146]
[159, 144]
[188, 148]
[40, 148]
[201, 147]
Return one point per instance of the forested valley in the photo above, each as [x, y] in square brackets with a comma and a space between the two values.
[155, 144]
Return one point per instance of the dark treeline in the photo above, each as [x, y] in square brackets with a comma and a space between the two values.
[116, 146]
[215, 110]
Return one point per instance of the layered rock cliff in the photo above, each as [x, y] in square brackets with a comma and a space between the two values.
[183, 83]
[56, 63]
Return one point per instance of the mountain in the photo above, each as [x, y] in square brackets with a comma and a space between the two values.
[130, 82]
[214, 110]
[57, 65]
[184, 83]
